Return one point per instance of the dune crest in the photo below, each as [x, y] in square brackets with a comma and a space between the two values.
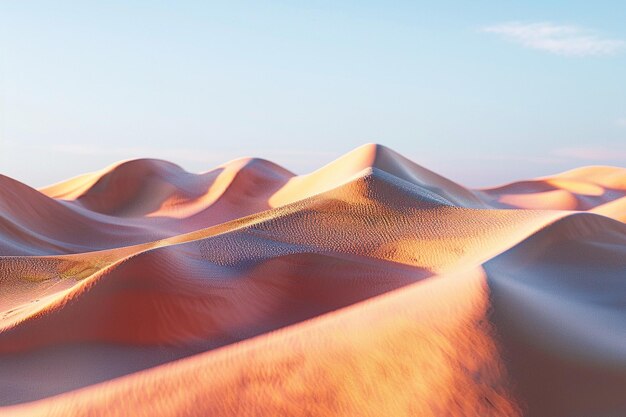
[579, 189]
[372, 286]
[367, 157]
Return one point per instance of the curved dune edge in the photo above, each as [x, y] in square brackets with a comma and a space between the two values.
[435, 347]
[156, 188]
[557, 302]
[416, 344]
[371, 286]
[499, 230]
[615, 209]
[373, 372]
[583, 189]
[144, 200]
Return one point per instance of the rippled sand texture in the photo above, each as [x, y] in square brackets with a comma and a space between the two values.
[371, 287]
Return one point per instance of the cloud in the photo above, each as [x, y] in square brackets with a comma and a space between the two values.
[534, 159]
[307, 159]
[184, 154]
[592, 153]
[557, 39]
[621, 122]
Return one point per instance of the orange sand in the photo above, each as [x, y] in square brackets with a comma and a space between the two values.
[370, 287]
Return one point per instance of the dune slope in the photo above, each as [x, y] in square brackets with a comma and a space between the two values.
[370, 287]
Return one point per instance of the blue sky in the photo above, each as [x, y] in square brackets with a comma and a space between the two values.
[483, 92]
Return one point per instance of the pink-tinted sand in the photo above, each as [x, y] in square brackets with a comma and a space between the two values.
[370, 287]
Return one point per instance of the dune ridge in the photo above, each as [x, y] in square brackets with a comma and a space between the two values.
[371, 286]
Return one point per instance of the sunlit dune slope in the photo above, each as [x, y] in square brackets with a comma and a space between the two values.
[578, 189]
[426, 350]
[369, 287]
[383, 159]
[158, 188]
[213, 266]
[507, 340]
[615, 209]
[34, 224]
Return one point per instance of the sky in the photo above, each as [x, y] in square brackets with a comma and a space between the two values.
[483, 92]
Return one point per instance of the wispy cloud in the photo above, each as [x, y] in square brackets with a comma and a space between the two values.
[184, 154]
[203, 157]
[621, 122]
[592, 153]
[534, 159]
[557, 39]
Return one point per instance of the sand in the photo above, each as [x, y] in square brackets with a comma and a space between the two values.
[369, 287]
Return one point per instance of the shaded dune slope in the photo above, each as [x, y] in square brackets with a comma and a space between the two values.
[451, 344]
[152, 187]
[615, 209]
[558, 302]
[398, 226]
[34, 224]
[408, 353]
[369, 287]
[381, 158]
[579, 189]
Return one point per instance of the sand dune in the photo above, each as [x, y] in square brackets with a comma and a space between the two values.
[373, 156]
[159, 191]
[369, 287]
[578, 189]
[615, 209]
[34, 224]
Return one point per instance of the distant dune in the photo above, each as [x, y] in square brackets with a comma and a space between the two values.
[370, 287]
